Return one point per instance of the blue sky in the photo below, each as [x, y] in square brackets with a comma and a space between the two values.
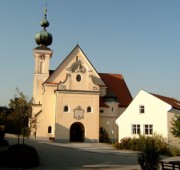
[139, 39]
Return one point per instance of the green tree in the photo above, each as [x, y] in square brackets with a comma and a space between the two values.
[4, 111]
[103, 135]
[21, 109]
[175, 129]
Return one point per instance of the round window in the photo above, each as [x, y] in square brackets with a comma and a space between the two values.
[78, 78]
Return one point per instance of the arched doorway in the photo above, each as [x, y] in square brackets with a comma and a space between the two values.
[77, 132]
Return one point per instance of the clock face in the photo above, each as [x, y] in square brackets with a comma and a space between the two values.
[42, 57]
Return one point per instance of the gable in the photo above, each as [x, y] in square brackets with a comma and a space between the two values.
[154, 107]
[75, 64]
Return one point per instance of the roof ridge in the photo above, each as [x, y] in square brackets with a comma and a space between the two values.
[165, 96]
[173, 102]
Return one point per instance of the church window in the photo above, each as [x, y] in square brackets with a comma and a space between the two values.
[78, 78]
[49, 129]
[89, 109]
[112, 109]
[42, 65]
[101, 111]
[76, 58]
[66, 108]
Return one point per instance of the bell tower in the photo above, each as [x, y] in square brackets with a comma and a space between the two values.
[42, 55]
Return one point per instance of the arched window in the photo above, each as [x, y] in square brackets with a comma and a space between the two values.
[77, 58]
[42, 66]
[66, 108]
[89, 109]
[49, 129]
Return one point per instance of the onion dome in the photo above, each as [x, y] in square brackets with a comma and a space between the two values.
[44, 38]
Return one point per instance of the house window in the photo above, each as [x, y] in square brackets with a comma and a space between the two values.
[141, 109]
[66, 108]
[89, 109]
[148, 129]
[49, 129]
[136, 129]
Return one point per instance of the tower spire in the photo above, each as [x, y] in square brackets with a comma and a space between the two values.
[43, 38]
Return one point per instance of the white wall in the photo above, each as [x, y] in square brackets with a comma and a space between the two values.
[155, 114]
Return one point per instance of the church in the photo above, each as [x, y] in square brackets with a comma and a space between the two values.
[73, 102]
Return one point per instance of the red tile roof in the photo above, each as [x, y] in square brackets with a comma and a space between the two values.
[101, 103]
[115, 84]
[173, 102]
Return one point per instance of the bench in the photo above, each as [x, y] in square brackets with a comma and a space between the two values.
[171, 165]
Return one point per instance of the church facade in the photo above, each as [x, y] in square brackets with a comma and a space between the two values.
[73, 102]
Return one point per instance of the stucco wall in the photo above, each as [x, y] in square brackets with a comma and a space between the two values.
[155, 114]
[108, 119]
[64, 120]
[47, 117]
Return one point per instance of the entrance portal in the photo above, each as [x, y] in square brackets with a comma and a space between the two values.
[77, 132]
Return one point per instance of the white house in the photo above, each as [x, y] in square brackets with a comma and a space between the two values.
[148, 114]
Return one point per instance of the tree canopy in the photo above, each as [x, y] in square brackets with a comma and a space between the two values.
[20, 105]
[175, 129]
[20, 112]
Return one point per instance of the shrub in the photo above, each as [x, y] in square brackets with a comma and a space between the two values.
[134, 144]
[161, 144]
[116, 145]
[21, 156]
[4, 143]
[25, 131]
[125, 143]
[149, 156]
[137, 143]
[174, 150]
[103, 136]
[2, 133]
